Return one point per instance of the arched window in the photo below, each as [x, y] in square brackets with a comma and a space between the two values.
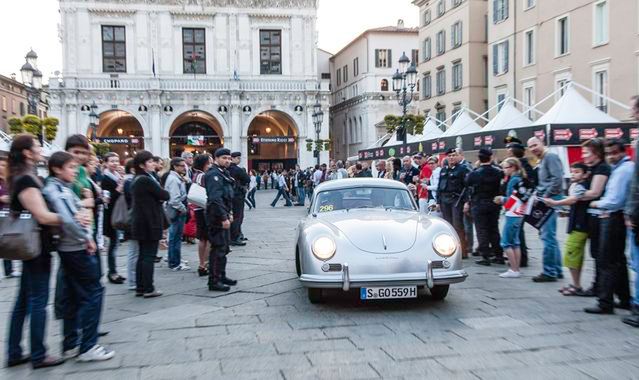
[361, 130]
[384, 85]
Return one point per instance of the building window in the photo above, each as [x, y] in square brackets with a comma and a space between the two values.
[426, 49]
[529, 100]
[270, 52]
[500, 58]
[4, 104]
[426, 18]
[561, 87]
[456, 34]
[427, 86]
[500, 10]
[441, 8]
[455, 113]
[441, 81]
[456, 3]
[338, 75]
[457, 75]
[529, 4]
[562, 36]
[529, 47]
[345, 73]
[383, 58]
[414, 56]
[601, 90]
[384, 85]
[355, 67]
[441, 114]
[601, 23]
[22, 109]
[441, 42]
[501, 96]
[194, 51]
[113, 49]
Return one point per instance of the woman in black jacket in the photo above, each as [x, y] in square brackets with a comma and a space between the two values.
[113, 183]
[146, 223]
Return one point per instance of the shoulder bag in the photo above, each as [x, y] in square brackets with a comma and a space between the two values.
[19, 236]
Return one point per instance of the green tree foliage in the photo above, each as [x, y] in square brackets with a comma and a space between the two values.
[33, 125]
[50, 128]
[15, 126]
[414, 123]
[309, 145]
[101, 148]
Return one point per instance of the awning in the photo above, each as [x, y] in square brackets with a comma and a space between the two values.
[463, 125]
[573, 108]
[508, 117]
[430, 132]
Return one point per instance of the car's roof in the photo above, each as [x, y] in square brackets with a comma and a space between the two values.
[359, 182]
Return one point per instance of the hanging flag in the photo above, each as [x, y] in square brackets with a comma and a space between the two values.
[153, 59]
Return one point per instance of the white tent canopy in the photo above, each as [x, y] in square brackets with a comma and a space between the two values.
[393, 140]
[380, 142]
[5, 142]
[462, 125]
[431, 131]
[508, 117]
[573, 108]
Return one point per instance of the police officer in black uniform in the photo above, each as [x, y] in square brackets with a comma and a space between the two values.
[517, 149]
[242, 181]
[483, 183]
[219, 215]
[452, 194]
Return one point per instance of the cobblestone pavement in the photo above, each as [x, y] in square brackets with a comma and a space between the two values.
[487, 328]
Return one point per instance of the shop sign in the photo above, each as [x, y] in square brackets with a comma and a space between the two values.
[117, 140]
[274, 140]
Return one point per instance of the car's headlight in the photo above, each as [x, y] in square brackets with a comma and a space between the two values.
[323, 248]
[445, 245]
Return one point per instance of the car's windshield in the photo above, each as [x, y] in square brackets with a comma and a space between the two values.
[363, 197]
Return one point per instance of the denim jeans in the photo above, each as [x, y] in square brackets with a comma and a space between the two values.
[551, 253]
[634, 252]
[510, 232]
[82, 279]
[32, 299]
[301, 195]
[8, 267]
[176, 229]
[132, 262]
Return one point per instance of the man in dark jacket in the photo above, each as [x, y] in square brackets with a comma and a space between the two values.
[452, 195]
[240, 186]
[483, 184]
[219, 216]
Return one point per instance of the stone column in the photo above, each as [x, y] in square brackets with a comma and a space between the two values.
[235, 128]
[155, 129]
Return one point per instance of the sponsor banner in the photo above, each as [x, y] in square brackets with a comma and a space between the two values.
[119, 140]
[398, 151]
[576, 134]
[274, 140]
[495, 139]
[195, 140]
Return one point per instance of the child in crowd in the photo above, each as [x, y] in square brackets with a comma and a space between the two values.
[577, 226]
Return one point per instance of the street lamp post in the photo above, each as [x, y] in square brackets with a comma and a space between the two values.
[94, 121]
[32, 79]
[404, 82]
[318, 118]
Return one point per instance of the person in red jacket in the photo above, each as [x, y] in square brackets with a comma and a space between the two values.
[424, 178]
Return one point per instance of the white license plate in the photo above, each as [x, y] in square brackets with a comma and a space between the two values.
[388, 292]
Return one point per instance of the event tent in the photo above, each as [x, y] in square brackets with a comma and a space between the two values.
[463, 125]
[430, 131]
[507, 118]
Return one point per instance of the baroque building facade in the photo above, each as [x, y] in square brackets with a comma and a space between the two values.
[175, 75]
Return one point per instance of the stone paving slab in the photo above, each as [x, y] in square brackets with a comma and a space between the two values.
[487, 328]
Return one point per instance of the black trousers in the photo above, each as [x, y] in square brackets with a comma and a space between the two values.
[219, 239]
[146, 265]
[486, 216]
[454, 214]
[594, 233]
[523, 247]
[613, 266]
[238, 218]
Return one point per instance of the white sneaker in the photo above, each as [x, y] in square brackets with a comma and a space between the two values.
[181, 267]
[510, 274]
[96, 354]
[72, 353]
[184, 262]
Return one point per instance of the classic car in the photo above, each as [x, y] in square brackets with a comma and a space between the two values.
[368, 234]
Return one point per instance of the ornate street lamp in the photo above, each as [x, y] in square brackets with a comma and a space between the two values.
[404, 82]
[318, 119]
[94, 121]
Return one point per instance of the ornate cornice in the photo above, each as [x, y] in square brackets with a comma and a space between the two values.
[214, 3]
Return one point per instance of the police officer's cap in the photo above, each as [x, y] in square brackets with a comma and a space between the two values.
[236, 154]
[451, 151]
[485, 152]
[222, 152]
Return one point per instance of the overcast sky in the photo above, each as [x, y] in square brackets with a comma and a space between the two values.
[33, 24]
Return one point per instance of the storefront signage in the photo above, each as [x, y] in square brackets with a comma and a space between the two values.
[274, 140]
[118, 140]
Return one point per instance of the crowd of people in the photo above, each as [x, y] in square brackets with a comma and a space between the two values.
[86, 201]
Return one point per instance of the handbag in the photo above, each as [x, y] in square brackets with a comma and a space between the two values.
[120, 216]
[197, 195]
[19, 236]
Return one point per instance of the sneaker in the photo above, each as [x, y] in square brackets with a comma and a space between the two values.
[510, 274]
[72, 353]
[185, 262]
[153, 294]
[97, 353]
[180, 268]
[544, 278]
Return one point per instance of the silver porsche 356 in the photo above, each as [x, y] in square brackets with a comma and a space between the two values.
[367, 234]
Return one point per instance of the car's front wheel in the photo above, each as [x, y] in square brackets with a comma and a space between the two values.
[315, 295]
[439, 292]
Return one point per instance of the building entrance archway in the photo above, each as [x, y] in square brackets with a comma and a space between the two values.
[121, 130]
[272, 142]
[197, 132]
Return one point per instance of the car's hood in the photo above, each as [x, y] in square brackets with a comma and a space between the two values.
[376, 231]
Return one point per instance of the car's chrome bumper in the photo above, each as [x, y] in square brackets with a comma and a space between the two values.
[346, 281]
